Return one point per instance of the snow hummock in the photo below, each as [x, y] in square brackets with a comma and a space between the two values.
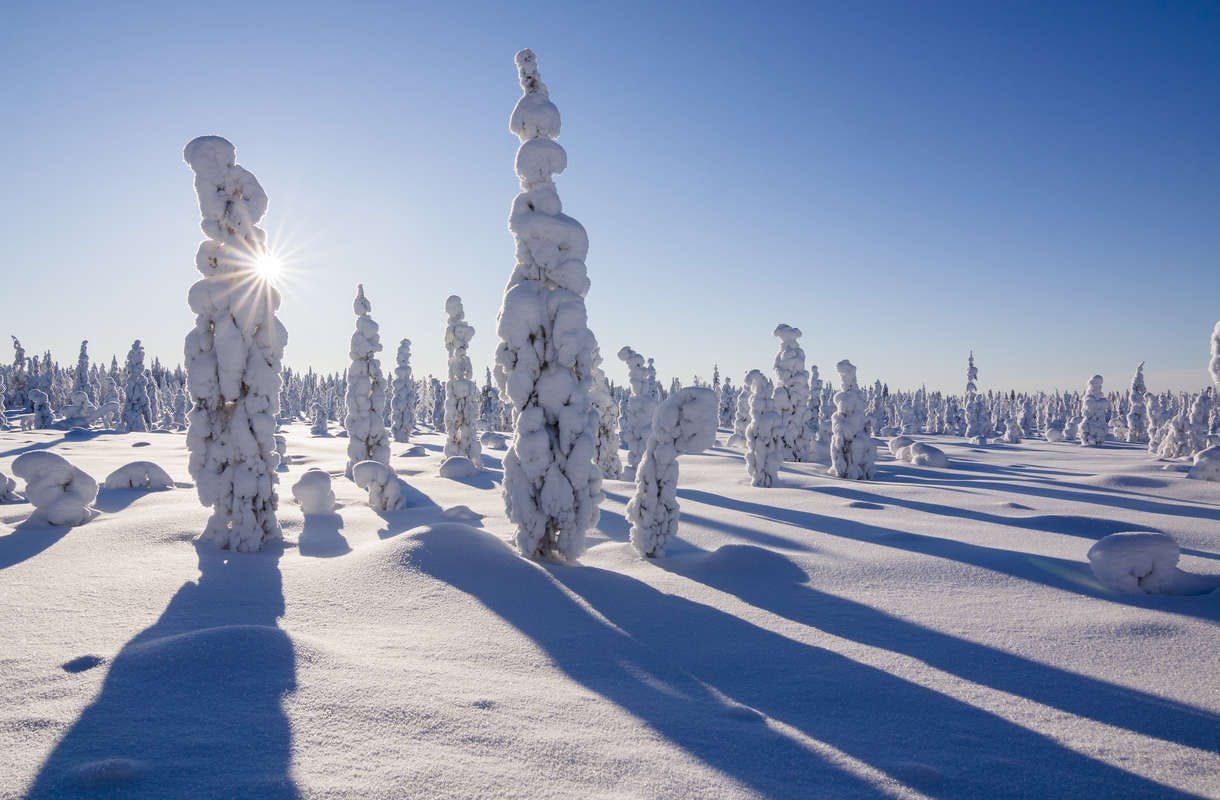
[314, 493]
[60, 493]
[1144, 562]
[921, 454]
[458, 468]
[139, 475]
[493, 440]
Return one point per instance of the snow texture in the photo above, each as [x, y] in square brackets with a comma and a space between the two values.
[545, 360]
[233, 355]
[60, 493]
[792, 396]
[685, 422]
[367, 439]
[313, 492]
[461, 392]
[852, 452]
[139, 475]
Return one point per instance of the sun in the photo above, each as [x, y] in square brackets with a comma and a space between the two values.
[269, 266]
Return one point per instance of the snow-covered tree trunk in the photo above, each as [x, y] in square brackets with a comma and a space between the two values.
[1137, 415]
[461, 392]
[402, 403]
[545, 360]
[367, 439]
[233, 355]
[1096, 406]
[792, 396]
[684, 423]
[641, 406]
[764, 456]
[852, 452]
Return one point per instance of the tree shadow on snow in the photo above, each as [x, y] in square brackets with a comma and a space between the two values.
[112, 501]
[1058, 573]
[26, 542]
[320, 537]
[772, 582]
[16, 451]
[191, 707]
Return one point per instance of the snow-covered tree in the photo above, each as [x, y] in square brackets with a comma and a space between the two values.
[792, 396]
[137, 409]
[437, 413]
[764, 455]
[741, 412]
[233, 355]
[3, 416]
[852, 452]
[80, 381]
[461, 392]
[1096, 407]
[607, 457]
[402, 402]
[545, 360]
[684, 423]
[972, 375]
[1198, 423]
[367, 439]
[636, 424]
[180, 410]
[318, 428]
[1214, 367]
[44, 417]
[1137, 415]
[60, 492]
[19, 398]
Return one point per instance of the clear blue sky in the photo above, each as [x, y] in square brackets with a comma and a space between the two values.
[904, 182]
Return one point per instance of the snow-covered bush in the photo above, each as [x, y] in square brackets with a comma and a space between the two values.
[899, 442]
[684, 423]
[1198, 424]
[8, 490]
[1095, 408]
[1012, 428]
[792, 396]
[402, 401]
[461, 392]
[367, 439]
[44, 417]
[1137, 415]
[233, 355]
[139, 475]
[922, 454]
[636, 424]
[1137, 562]
[852, 452]
[313, 492]
[763, 454]
[544, 364]
[79, 412]
[60, 493]
[1207, 465]
[607, 457]
[384, 486]
[458, 468]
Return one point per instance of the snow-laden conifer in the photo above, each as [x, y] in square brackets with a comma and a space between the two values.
[367, 439]
[1095, 408]
[402, 401]
[636, 424]
[1137, 415]
[852, 452]
[763, 434]
[792, 395]
[461, 392]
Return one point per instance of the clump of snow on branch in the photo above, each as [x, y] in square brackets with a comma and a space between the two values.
[233, 355]
[545, 360]
[385, 488]
[763, 455]
[367, 439]
[60, 492]
[1095, 409]
[403, 399]
[792, 396]
[139, 475]
[852, 452]
[461, 392]
[313, 492]
[684, 423]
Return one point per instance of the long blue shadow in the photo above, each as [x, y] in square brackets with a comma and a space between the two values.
[770, 581]
[191, 706]
[24, 543]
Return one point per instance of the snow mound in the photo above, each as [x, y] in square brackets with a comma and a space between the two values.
[60, 493]
[749, 564]
[1143, 562]
[461, 514]
[458, 468]
[923, 454]
[493, 441]
[443, 547]
[384, 486]
[313, 492]
[899, 442]
[1054, 435]
[139, 475]
[1207, 465]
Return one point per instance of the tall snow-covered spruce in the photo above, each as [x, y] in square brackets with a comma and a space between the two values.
[792, 396]
[233, 355]
[1096, 407]
[461, 392]
[852, 452]
[546, 356]
[367, 439]
[402, 402]
[636, 422]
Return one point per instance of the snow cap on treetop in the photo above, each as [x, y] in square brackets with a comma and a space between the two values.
[534, 116]
[361, 304]
[787, 333]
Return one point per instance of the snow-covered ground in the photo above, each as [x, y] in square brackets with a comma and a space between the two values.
[933, 633]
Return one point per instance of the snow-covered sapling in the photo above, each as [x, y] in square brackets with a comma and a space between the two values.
[318, 428]
[8, 490]
[314, 493]
[461, 392]
[544, 363]
[385, 488]
[763, 455]
[367, 439]
[1095, 408]
[684, 423]
[137, 415]
[60, 493]
[233, 355]
[402, 401]
[852, 452]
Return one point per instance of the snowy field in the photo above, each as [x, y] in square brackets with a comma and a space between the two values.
[932, 633]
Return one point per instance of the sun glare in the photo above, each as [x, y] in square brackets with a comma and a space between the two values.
[268, 266]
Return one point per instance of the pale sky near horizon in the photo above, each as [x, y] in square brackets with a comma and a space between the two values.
[904, 182]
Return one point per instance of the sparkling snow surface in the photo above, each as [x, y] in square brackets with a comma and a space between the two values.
[933, 633]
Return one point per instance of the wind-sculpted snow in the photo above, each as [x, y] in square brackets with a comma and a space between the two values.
[367, 439]
[60, 493]
[233, 355]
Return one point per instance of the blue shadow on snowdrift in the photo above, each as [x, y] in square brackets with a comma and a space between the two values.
[703, 679]
[191, 705]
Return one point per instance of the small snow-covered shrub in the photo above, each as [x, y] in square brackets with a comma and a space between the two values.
[852, 451]
[1206, 466]
[922, 454]
[365, 421]
[763, 455]
[8, 490]
[1095, 406]
[684, 423]
[1142, 562]
[60, 493]
[899, 442]
[313, 492]
[139, 475]
[493, 441]
[384, 486]
[43, 416]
